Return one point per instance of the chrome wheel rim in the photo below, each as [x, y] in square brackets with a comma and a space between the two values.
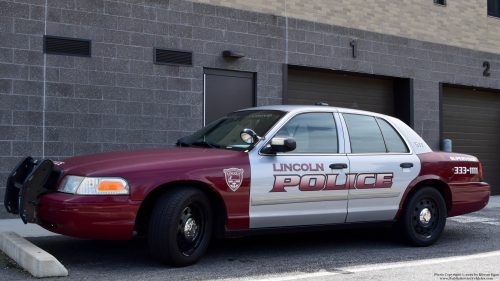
[425, 216]
[190, 229]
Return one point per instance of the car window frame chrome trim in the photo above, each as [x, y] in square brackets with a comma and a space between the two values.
[347, 138]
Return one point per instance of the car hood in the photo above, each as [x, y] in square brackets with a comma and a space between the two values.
[148, 169]
[119, 163]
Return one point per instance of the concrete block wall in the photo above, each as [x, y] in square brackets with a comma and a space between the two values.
[118, 99]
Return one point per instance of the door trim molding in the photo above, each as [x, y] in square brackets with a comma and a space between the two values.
[355, 194]
[291, 199]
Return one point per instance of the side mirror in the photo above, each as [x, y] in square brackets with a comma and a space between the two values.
[249, 136]
[280, 144]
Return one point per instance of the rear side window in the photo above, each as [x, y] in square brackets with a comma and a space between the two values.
[313, 133]
[364, 133]
[392, 139]
[371, 135]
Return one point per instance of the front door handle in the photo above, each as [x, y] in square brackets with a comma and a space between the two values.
[338, 166]
[406, 165]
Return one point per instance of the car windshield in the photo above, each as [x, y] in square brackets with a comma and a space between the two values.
[225, 132]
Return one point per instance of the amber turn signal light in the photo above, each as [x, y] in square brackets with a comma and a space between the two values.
[111, 186]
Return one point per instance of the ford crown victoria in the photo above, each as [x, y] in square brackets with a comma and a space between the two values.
[260, 170]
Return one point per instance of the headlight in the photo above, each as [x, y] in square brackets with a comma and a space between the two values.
[94, 186]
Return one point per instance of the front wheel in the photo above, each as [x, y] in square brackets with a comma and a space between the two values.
[422, 218]
[180, 226]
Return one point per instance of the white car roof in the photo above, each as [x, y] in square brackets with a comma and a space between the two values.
[292, 108]
[417, 143]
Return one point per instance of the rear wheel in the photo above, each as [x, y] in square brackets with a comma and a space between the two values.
[423, 218]
[180, 226]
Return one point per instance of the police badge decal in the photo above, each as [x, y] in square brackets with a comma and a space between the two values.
[234, 177]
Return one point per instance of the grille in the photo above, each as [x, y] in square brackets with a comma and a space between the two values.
[66, 46]
[174, 57]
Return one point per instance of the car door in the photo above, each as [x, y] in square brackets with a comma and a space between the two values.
[299, 187]
[381, 164]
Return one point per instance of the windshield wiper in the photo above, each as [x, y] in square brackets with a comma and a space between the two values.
[206, 144]
[180, 142]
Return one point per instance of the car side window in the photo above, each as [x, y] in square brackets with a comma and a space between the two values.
[392, 139]
[364, 134]
[313, 133]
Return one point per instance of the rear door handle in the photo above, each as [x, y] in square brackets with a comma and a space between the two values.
[338, 166]
[406, 165]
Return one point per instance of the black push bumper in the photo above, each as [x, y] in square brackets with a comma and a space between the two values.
[29, 180]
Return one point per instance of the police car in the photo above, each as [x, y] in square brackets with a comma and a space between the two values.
[261, 170]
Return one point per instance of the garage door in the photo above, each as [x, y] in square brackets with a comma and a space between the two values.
[366, 93]
[471, 119]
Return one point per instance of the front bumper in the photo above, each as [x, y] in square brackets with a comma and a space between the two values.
[30, 193]
[91, 217]
[29, 180]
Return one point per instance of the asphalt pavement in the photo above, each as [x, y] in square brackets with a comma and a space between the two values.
[468, 250]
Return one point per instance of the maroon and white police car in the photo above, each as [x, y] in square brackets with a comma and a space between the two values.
[260, 170]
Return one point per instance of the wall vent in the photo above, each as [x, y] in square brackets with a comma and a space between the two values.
[173, 57]
[66, 46]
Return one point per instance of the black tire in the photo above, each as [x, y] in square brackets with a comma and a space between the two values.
[180, 226]
[417, 226]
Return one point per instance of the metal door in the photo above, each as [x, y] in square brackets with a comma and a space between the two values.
[226, 91]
